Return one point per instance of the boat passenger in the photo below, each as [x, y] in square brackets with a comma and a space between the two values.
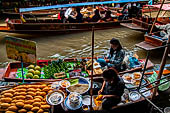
[165, 28]
[96, 16]
[107, 16]
[115, 56]
[70, 15]
[79, 16]
[112, 88]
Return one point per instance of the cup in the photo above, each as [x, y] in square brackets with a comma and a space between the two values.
[85, 107]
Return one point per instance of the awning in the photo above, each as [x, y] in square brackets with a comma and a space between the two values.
[77, 4]
[164, 7]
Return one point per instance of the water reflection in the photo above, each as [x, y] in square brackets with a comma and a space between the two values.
[79, 44]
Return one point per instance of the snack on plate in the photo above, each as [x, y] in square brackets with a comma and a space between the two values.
[137, 75]
[98, 71]
[64, 83]
[128, 77]
[137, 82]
[78, 88]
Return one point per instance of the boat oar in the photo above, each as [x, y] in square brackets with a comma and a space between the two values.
[91, 87]
[156, 16]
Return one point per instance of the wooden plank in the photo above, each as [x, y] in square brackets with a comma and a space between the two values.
[146, 46]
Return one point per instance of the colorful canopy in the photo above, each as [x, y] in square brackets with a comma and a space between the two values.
[164, 7]
[77, 4]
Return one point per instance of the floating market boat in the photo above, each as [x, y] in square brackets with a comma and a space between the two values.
[144, 22]
[37, 25]
[43, 91]
[49, 70]
[152, 41]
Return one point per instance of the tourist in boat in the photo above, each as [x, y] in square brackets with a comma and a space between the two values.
[112, 88]
[96, 16]
[166, 30]
[70, 15]
[107, 16]
[115, 56]
[79, 16]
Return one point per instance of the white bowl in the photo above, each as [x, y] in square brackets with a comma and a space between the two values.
[55, 97]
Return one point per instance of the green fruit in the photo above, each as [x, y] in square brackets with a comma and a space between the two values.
[31, 71]
[38, 68]
[31, 67]
[36, 77]
[29, 75]
[37, 72]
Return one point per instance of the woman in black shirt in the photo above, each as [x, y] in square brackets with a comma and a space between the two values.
[112, 88]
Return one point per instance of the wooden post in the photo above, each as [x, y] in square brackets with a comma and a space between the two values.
[156, 16]
[163, 62]
[22, 66]
[91, 88]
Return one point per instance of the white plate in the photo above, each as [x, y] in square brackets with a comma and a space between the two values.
[66, 103]
[125, 80]
[96, 66]
[134, 96]
[63, 81]
[86, 100]
[147, 93]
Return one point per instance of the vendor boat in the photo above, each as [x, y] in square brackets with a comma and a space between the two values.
[144, 22]
[128, 101]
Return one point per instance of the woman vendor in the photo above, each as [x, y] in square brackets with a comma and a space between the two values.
[112, 88]
[115, 56]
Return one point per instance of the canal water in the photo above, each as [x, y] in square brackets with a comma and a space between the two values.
[79, 44]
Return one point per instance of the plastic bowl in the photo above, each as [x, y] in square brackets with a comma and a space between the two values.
[167, 110]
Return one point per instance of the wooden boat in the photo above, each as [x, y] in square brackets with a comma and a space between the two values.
[50, 25]
[130, 105]
[13, 68]
[144, 22]
[42, 25]
[152, 41]
[126, 104]
[41, 13]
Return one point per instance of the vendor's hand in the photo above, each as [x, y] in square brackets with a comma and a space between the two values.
[99, 92]
[104, 96]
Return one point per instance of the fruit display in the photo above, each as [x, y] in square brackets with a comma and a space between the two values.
[25, 98]
[56, 69]
[33, 72]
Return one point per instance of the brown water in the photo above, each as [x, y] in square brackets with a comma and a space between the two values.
[79, 44]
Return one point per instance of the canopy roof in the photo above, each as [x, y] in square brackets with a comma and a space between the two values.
[164, 7]
[77, 4]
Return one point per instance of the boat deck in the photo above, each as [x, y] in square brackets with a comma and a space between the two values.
[146, 46]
